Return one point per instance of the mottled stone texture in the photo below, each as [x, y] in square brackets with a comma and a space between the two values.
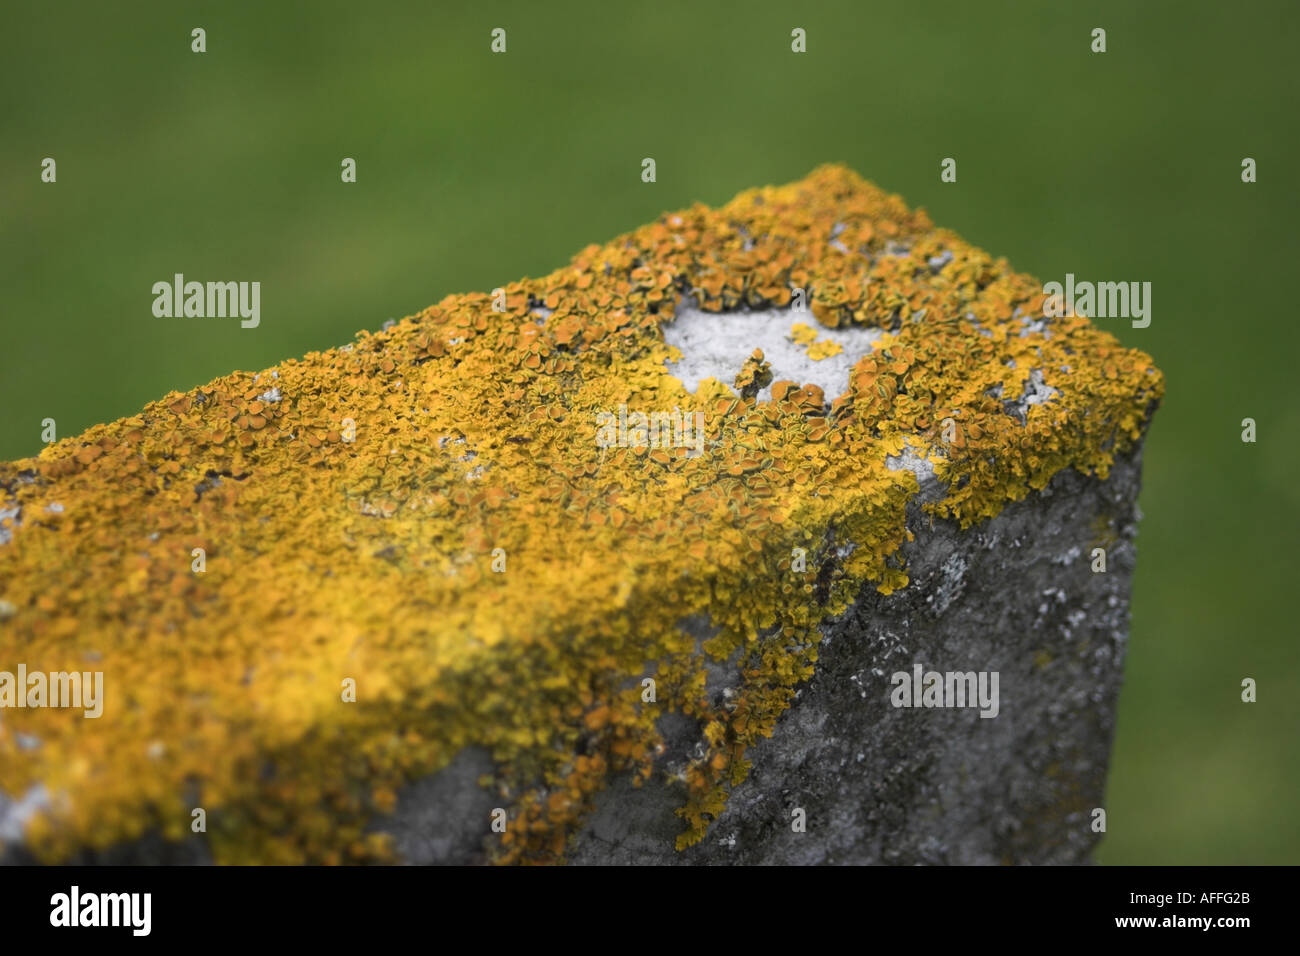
[879, 784]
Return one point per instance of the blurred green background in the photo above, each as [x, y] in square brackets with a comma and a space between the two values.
[475, 169]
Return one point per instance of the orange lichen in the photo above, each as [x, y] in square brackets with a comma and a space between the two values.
[427, 512]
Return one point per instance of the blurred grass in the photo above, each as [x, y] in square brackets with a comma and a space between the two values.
[476, 169]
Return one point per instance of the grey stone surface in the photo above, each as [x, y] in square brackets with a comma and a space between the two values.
[444, 818]
[880, 784]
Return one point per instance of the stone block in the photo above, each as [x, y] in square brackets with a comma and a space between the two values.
[614, 565]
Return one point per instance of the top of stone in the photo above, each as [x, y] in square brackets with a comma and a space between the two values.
[462, 515]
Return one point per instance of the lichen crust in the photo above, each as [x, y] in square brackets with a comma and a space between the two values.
[427, 512]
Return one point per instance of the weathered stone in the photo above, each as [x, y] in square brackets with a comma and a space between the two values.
[1016, 595]
[458, 518]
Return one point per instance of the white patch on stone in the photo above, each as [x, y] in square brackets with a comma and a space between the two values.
[1031, 324]
[716, 345]
[1069, 557]
[950, 584]
[11, 515]
[1037, 390]
[936, 263]
[14, 814]
[914, 459]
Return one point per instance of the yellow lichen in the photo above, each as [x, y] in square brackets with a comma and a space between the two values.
[824, 349]
[427, 512]
[803, 334]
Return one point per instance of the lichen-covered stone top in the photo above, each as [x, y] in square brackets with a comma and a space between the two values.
[375, 559]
